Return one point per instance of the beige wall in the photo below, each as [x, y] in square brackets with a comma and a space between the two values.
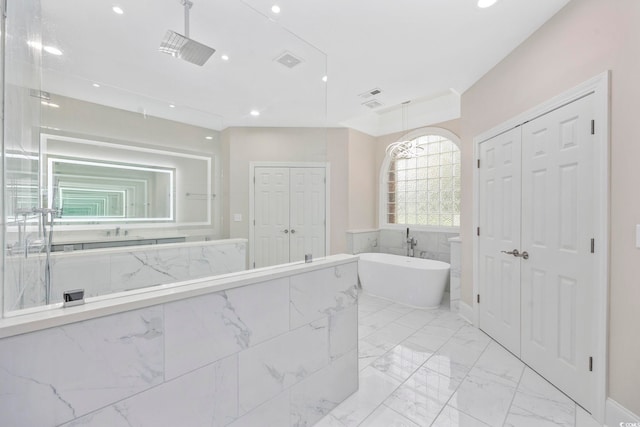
[338, 157]
[248, 145]
[584, 39]
[362, 181]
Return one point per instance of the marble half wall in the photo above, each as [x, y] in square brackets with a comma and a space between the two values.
[278, 352]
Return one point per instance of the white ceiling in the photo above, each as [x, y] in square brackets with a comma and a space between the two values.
[427, 51]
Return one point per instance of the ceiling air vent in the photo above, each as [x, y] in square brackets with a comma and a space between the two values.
[374, 103]
[370, 93]
[289, 60]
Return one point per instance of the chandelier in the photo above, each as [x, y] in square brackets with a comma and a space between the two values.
[404, 149]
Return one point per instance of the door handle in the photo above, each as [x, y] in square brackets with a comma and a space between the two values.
[514, 252]
[285, 231]
[293, 231]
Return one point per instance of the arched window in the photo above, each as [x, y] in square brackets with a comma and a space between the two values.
[421, 180]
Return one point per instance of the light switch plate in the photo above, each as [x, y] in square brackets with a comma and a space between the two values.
[638, 236]
[237, 217]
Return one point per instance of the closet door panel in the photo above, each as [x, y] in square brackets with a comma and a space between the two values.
[557, 227]
[499, 222]
[271, 216]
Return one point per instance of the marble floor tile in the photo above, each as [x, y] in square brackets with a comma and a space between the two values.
[451, 417]
[498, 361]
[584, 419]
[384, 416]
[431, 337]
[374, 388]
[402, 360]
[449, 320]
[539, 404]
[368, 353]
[432, 368]
[484, 396]
[418, 318]
[400, 308]
[389, 335]
[423, 395]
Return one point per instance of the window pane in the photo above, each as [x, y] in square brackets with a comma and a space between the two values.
[446, 158]
[446, 184]
[425, 190]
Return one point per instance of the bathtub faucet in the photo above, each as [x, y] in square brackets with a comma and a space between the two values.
[411, 245]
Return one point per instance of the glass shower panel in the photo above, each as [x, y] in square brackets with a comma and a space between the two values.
[24, 280]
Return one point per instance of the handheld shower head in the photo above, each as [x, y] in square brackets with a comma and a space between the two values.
[181, 46]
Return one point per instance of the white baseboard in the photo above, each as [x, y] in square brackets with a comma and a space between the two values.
[466, 312]
[619, 416]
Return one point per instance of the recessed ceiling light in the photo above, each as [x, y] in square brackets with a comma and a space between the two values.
[172, 106]
[96, 85]
[324, 79]
[225, 57]
[275, 9]
[118, 10]
[49, 104]
[52, 50]
[255, 113]
[486, 3]
[208, 137]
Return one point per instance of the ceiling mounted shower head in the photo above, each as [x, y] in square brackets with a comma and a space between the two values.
[179, 46]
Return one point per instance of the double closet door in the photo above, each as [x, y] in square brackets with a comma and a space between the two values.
[289, 214]
[536, 262]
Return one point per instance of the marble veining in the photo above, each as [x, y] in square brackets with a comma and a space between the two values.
[444, 373]
[105, 271]
[227, 358]
[73, 370]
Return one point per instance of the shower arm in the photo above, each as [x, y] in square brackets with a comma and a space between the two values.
[187, 5]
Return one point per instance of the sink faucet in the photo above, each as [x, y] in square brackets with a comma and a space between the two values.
[411, 244]
[117, 231]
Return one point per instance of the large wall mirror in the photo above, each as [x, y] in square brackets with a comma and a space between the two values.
[104, 131]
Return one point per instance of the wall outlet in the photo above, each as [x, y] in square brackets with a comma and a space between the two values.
[237, 217]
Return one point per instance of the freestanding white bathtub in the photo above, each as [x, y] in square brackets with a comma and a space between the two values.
[413, 281]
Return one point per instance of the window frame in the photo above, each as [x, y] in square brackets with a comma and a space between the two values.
[383, 182]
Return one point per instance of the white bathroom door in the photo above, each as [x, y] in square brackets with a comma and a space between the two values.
[557, 231]
[307, 213]
[271, 216]
[499, 232]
